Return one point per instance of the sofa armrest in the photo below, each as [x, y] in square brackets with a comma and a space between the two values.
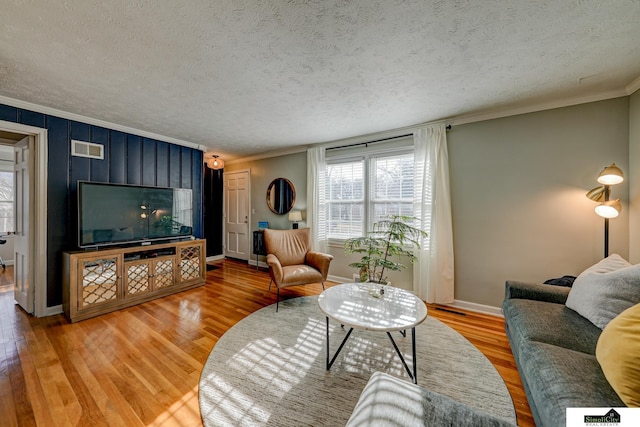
[535, 291]
[319, 261]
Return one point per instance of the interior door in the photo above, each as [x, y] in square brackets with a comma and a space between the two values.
[237, 214]
[23, 222]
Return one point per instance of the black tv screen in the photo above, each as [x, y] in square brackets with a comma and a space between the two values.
[111, 214]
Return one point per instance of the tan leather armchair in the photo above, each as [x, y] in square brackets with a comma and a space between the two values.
[291, 260]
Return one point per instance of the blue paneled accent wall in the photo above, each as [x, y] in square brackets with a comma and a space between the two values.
[129, 159]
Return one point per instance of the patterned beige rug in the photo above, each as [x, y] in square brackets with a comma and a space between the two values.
[269, 369]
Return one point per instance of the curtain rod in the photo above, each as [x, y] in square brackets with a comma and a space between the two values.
[366, 144]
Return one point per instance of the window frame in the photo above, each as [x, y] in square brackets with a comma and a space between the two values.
[366, 157]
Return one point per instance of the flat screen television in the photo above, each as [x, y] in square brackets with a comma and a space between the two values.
[113, 214]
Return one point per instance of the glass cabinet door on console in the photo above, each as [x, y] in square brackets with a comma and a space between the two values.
[99, 280]
[164, 272]
[147, 275]
[191, 265]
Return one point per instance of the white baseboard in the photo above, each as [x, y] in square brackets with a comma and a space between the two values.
[469, 306]
[52, 311]
[338, 279]
[478, 308]
[260, 264]
[215, 258]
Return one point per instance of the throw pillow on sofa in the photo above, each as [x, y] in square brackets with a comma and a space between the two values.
[605, 290]
[618, 352]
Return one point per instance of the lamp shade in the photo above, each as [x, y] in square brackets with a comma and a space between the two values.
[597, 194]
[609, 209]
[611, 175]
[295, 216]
[215, 163]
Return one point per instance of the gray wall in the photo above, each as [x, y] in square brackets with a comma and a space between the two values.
[518, 189]
[634, 178]
[294, 168]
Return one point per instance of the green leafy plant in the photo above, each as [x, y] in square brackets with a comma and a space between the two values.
[382, 248]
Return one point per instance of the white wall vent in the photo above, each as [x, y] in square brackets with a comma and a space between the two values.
[87, 149]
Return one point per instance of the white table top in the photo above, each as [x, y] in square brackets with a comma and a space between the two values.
[352, 305]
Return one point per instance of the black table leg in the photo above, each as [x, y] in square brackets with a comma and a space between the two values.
[330, 362]
[413, 375]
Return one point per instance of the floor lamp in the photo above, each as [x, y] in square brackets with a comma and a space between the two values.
[611, 175]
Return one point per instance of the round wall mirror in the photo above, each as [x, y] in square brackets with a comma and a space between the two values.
[281, 196]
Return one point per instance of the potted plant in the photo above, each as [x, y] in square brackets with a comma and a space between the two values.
[381, 249]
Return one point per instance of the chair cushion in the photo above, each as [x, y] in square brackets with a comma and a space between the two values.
[605, 290]
[618, 353]
[289, 246]
[293, 275]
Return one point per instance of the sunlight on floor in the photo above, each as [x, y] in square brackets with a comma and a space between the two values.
[184, 412]
[285, 365]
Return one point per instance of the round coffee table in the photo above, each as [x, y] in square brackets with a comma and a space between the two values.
[354, 305]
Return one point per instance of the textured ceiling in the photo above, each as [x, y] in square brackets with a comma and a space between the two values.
[243, 77]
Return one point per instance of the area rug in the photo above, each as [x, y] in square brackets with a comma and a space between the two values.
[269, 369]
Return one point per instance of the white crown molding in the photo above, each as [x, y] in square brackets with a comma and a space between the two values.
[498, 114]
[456, 120]
[269, 154]
[335, 143]
[633, 86]
[96, 122]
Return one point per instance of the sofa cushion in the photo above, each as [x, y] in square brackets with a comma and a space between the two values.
[389, 401]
[561, 378]
[618, 353]
[605, 290]
[548, 323]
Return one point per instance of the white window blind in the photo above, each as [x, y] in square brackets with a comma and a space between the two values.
[362, 191]
[345, 199]
[391, 186]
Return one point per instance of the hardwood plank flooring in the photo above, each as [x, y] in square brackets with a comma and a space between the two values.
[140, 366]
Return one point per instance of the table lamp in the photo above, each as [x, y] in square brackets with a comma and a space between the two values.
[295, 217]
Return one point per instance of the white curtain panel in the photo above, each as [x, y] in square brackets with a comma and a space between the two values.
[315, 198]
[433, 270]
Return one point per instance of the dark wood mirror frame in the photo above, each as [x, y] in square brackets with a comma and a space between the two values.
[281, 196]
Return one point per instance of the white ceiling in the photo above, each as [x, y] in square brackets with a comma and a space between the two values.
[242, 77]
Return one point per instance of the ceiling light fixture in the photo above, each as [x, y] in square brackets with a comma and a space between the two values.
[215, 162]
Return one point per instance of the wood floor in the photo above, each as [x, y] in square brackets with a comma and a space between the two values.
[140, 366]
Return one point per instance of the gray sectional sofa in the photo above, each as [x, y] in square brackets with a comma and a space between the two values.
[554, 349]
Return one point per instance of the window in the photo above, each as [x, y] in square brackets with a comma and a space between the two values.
[354, 203]
[391, 186]
[6, 201]
[345, 199]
